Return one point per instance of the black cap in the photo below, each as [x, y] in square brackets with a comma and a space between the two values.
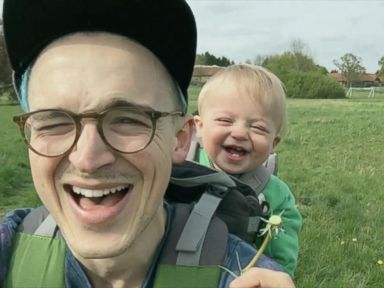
[166, 27]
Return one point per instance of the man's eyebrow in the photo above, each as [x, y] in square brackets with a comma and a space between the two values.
[118, 102]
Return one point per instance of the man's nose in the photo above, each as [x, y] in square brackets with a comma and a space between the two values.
[90, 152]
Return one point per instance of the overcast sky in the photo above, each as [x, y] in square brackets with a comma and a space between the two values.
[241, 30]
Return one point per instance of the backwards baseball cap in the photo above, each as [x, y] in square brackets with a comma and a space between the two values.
[166, 27]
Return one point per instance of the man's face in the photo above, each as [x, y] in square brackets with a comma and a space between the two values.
[84, 73]
[236, 133]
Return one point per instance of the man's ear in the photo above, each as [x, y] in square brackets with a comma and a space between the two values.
[183, 137]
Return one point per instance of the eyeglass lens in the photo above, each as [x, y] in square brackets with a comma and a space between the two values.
[52, 133]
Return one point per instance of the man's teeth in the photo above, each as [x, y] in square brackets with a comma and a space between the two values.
[97, 192]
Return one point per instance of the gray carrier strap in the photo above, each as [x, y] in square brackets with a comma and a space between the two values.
[193, 149]
[271, 164]
[191, 240]
[39, 222]
[212, 248]
[47, 228]
[257, 179]
[219, 179]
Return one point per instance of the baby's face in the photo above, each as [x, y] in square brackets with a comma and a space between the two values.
[236, 133]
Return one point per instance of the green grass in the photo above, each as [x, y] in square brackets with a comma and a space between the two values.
[16, 189]
[333, 161]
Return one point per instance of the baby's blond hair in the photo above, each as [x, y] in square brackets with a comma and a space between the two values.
[259, 83]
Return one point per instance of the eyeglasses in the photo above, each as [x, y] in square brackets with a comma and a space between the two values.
[54, 132]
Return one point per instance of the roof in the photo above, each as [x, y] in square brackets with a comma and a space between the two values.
[366, 77]
[206, 70]
[369, 77]
[337, 76]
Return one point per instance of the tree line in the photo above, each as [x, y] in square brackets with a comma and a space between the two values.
[294, 67]
[303, 77]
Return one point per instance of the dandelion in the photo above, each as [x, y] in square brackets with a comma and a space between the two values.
[274, 226]
[342, 242]
[272, 229]
[354, 239]
[380, 262]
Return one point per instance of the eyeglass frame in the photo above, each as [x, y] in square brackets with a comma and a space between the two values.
[154, 115]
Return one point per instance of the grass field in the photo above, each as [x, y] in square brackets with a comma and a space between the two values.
[333, 161]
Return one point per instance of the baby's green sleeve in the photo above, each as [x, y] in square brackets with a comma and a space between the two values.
[285, 247]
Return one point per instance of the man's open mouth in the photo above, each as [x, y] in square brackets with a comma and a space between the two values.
[89, 199]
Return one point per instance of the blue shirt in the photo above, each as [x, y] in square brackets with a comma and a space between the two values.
[76, 277]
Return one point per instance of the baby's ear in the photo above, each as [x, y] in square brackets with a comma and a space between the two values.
[198, 124]
[183, 138]
[275, 142]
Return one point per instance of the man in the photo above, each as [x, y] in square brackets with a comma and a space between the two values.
[105, 87]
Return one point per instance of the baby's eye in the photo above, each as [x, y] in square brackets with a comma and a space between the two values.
[259, 129]
[224, 121]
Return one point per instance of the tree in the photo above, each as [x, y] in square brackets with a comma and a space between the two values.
[5, 68]
[259, 59]
[350, 66]
[381, 64]
[209, 59]
[302, 77]
[298, 46]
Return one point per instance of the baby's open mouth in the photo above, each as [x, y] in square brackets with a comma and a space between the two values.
[235, 150]
[90, 198]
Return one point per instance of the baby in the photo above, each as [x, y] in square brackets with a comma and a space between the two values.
[241, 118]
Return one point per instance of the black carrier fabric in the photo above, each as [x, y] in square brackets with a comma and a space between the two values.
[240, 207]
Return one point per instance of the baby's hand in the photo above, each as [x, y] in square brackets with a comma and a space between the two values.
[262, 278]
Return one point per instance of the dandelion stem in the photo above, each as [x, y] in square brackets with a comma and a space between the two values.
[260, 252]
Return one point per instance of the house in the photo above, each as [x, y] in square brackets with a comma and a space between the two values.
[201, 73]
[339, 78]
[363, 80]
[368, 80]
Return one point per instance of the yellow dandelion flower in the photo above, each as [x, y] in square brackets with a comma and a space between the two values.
[342, 242]
[380, 262]
[354, 239]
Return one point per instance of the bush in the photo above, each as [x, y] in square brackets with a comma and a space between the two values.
[8, 95]
[312, 85]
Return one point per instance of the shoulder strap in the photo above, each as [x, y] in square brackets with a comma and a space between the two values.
[191, 156]
[212, 247]
[272, 164]
[258, 179]
[184, 264]
[40, 223]
[38, 257]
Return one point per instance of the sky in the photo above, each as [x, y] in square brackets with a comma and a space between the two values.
[244, 29]
[241, 30]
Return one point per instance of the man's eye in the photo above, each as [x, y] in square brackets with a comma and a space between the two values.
[130, 121]
[53, 126]
[52, 129]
